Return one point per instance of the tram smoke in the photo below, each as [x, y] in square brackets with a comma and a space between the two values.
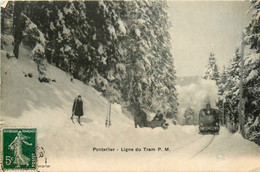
[196, 96]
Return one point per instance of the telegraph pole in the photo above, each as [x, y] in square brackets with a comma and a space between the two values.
[223, 117]
[241, 104]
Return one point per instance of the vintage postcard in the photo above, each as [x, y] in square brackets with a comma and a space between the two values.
[140, 85]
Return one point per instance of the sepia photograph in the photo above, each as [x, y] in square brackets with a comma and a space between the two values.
[130, 85]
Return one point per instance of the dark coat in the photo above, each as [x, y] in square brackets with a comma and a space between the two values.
[77, 107]
[157, 123]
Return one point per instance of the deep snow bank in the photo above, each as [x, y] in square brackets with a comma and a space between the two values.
[26, 102]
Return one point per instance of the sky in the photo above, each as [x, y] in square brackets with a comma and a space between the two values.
[198, 27]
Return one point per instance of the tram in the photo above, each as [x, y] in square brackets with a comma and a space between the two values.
[209, 120]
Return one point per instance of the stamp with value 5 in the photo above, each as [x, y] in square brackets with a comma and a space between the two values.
[19, 148]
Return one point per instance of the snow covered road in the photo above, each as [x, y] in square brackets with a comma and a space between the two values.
[188, 151]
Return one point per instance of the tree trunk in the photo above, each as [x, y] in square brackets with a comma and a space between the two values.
[130, 86]
[18, 8]
[241, 109]
[2, 20]
[2, 25]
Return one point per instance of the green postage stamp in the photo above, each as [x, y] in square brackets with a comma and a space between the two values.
[19, 148]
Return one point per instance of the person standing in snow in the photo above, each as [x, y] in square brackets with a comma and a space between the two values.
[77, 108]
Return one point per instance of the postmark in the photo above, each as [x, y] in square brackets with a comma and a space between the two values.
[19, 149]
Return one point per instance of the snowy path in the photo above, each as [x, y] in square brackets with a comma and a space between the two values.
[198, 152]
[189, 150]
[225, 151]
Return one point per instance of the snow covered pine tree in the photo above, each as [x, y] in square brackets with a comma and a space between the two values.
[252, 76]
[211, 72]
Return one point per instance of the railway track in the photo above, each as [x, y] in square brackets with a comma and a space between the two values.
[187, 144]
[191, 148]
[205, 147]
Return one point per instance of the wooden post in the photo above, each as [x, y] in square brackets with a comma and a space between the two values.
[241, 109]
[109, 122]
[108, 119]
